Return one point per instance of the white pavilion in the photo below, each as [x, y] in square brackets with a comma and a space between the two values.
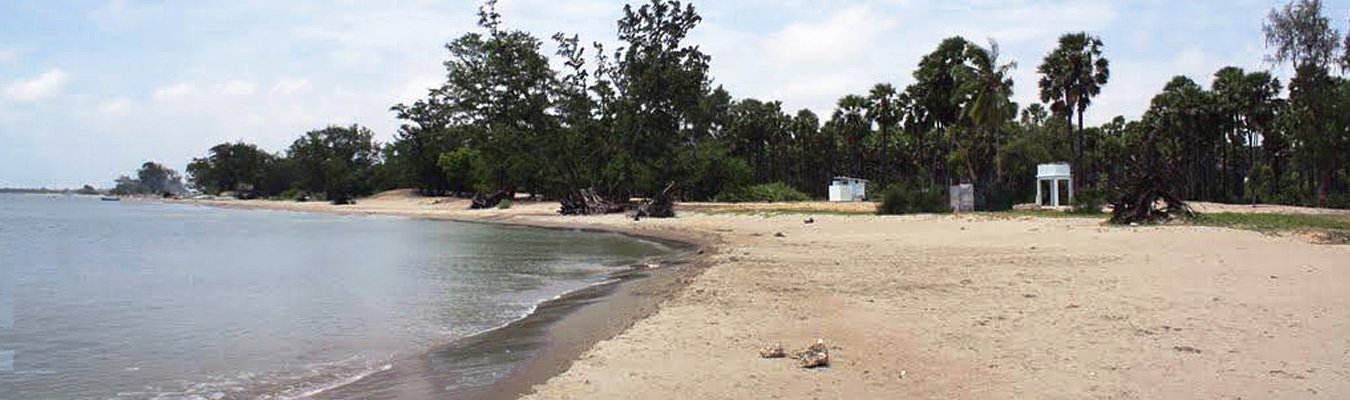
[1049, 177]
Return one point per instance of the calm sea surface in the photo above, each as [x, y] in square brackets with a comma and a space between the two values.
[107, 300]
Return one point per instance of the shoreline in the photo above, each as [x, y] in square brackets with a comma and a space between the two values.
[563, 328]
[956, 306]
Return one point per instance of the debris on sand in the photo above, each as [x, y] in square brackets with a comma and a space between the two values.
[817, 355]
[780, 234]
[1187, 349]
[772, 351]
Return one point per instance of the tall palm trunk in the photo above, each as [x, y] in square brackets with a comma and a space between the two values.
[1079, 172]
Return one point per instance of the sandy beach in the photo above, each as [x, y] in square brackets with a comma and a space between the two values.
[959, 307]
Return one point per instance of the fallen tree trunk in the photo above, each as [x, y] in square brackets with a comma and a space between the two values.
[483, 201]
[1149, 206]
[1145, 195]
[662, 205]
[588, 202]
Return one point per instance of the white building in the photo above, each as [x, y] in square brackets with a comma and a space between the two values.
[1049, 177]
[846, 189]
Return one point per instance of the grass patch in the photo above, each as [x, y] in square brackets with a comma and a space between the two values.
[777, 192]
[1274, 222]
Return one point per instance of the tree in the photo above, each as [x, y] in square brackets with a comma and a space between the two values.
[578, 150]
[1300, 34]
[336, 161]
[850, 125]
[989, 109]
[1071, 76]
[756, 133]
[816, 151]
[238, 167]
[660, 83]
[1345, 48]
[1247, 103]
[496, 99]
[155, 178]
[464, 170]
[941, 91]
[883, 109]
[1319, 102]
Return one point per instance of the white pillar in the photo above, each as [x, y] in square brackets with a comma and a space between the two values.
[1038, 192]
[1054, 193]
[1038, 196]
[1070, 183]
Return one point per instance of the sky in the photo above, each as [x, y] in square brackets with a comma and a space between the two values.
[90, 89]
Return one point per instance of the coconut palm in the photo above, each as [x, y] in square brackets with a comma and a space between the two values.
[990, 105]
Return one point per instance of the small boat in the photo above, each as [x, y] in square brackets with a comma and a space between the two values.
[110, 198]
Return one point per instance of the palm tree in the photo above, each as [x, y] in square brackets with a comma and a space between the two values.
[883, 108]
[1070, 77]
[989, 107]
[850, 115]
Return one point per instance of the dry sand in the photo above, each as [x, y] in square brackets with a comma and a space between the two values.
[965, 307]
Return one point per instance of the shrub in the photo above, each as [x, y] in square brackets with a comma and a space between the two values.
[913, 199]
[768, 193]
[1088, 201]
[504, 204]
[294, 194]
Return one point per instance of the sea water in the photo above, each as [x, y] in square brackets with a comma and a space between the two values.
[107, 300]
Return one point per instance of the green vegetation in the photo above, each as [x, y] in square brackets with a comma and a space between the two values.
[336, 161]
[1089, 201]
[624, 122]
[913, 199]
[242, 168]
[776, 192]
[152, 178]
[1274, 222]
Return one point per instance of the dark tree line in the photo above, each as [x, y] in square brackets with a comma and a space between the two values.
[152, 178]
[334, 163]
[627, 122]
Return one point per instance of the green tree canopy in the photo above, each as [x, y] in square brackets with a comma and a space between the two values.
[336, 161]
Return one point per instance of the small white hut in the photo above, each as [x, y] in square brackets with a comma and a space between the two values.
[846, 189]
[1049, 177]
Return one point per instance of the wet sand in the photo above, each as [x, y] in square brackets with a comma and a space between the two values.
[963, 307]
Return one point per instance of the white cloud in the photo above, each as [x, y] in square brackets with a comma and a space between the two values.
[238, 88]
[117, 107]
[851, 32]
[290, 86]
[41, 87]
[170, 93]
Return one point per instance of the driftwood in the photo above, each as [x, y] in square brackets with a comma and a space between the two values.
[660, 206]
[482, 201]
[1148, 206]
[588, 202]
